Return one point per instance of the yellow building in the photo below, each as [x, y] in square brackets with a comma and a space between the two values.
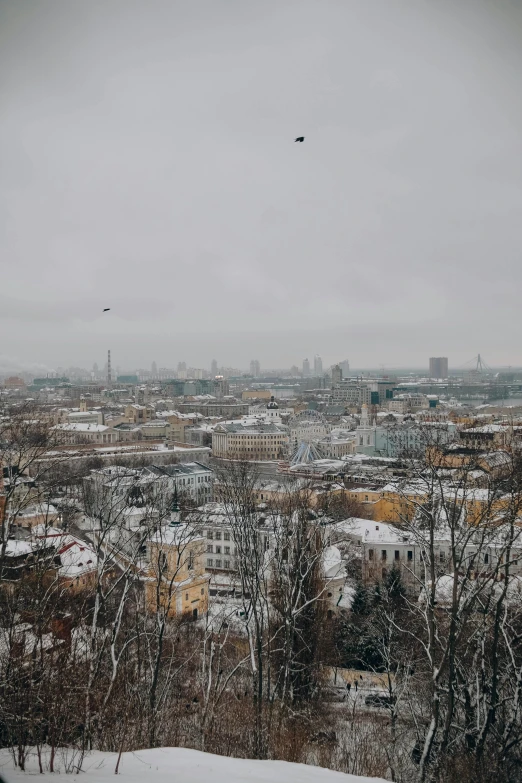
[177, 582]
[368, 499]
[137, 414]
[179, 422]
[400, 504]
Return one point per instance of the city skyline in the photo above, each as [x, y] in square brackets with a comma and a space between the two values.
[187, 369]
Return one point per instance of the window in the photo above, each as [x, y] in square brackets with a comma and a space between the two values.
[218, 563]
[441, 557]
[202, 591]
[210, 534]
[190, 560]
[218, 536]
[410, 555]
[218, 550]
[366, 497]
[397, 555]
[186, 596]
[383, 554]
[370, 554]
[226, 563]
[227, 550]
[210, 562]
[226, 536]
[210, 548]
[486, 558]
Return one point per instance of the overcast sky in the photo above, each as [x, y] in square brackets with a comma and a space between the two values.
[148, 165]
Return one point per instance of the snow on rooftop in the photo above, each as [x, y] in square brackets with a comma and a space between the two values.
[182, 765]
[38, 510]
[369, 531]
[17, 548]
[77, 427]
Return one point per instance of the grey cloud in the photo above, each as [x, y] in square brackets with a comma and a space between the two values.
[148, 164]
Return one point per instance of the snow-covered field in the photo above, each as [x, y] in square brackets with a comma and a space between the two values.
[180, 765]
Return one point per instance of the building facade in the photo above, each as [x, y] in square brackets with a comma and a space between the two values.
[176, 580]
[257, 442]
[438, 367]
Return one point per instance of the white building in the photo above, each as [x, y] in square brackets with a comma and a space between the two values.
[338, 444]
[383, 546]
[307, 427]
[86, 433]
[394, 439]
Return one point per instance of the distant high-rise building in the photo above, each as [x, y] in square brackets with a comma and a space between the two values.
[318, 366]
[345, 367]
[182, 366]
[294, 370]
[109, 370]
[221, 387]
[154, 370]
[255, 368]
[337, 375]
[214, 368]
[306, 368]
[438, 367]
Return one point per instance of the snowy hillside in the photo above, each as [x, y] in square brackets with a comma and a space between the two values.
[179, 765]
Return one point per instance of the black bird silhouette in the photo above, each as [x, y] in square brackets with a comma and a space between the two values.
[300, 138]
[106, 309]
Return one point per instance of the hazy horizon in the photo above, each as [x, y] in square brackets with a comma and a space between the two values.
[149, 166]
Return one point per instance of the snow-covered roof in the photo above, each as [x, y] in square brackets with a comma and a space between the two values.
[78, 427]
[443, 590]
[76, 556]
[332, 564]
[368, 531]
[38, 510]
[18, 548]
[174, 535]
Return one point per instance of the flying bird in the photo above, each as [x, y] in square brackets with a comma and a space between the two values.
[300, 138]
[106, 309]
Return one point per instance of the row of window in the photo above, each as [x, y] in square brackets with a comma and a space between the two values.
[211, 563]
[217, 550]
[397, 555]
[279, 438]
[384, 554]
[217, 535]
[200, 479]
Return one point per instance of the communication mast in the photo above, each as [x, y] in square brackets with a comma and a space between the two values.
[109, 372]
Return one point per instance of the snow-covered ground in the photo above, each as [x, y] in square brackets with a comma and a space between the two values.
[180, 765]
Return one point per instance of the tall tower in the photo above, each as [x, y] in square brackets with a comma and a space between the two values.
[337, 376]
[109, 371]
[439, 367]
